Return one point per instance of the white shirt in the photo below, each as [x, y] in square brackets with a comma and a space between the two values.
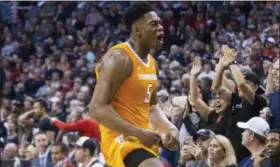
[45, 156]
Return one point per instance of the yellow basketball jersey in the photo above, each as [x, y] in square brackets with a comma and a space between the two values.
[132, 103]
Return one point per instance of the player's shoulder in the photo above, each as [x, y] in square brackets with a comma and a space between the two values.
[116, 61]
[117, 56]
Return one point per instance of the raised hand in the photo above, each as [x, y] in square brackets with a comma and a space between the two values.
[185, 155]
[195, 151]
[228, 56]
[259, 159]
[196, 66]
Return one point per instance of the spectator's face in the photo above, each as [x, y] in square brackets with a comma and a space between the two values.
[265, 113]
[11, 118]
[220, 105]
[171, 29]
[74, 117]
[55, 107]
[37, 108]
[81, 96]
[57, 155]
[8, 41]
[177, 109]
[273, 144]
[67, 74]
[39, 50]
[41, 141]
[207, 67]
[6, 103]
[20, 87]
[27, 105]
[169, 14]
[80, 155]
[64, 59]
[77, 83]
[269, 45]
[248, 61]
[246, 137]
[55, 76]
[11, 126]
[9, 152]
[215, 151]
[203, 142]
[165, 67]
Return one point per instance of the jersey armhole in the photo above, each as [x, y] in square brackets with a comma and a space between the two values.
[100, 60]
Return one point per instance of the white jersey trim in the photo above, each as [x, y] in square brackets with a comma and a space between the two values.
[136, 55]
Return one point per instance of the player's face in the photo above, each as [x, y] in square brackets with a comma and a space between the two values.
[151, 31]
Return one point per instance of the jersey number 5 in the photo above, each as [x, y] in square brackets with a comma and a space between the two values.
[148, 93]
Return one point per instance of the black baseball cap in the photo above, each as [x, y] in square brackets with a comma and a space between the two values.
[252, 77]
[88, 143]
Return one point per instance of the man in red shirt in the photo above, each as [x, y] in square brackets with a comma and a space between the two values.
[85, 126]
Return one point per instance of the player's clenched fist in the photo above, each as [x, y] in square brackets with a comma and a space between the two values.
[171, 139]
[148, 137]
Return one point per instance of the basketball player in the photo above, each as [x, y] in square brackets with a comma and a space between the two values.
[124, 100]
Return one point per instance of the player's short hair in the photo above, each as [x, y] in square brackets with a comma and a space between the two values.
[135, 12]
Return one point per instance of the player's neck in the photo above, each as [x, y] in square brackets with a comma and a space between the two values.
[141, 50]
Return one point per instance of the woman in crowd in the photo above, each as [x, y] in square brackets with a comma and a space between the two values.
[221, 153]
[216, 113]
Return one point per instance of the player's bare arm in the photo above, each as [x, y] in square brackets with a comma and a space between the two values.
[160, 123]
[114, 69]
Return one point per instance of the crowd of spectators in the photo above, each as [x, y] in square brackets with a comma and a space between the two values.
[49, 51]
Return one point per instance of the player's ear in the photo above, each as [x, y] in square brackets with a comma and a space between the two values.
[136, 30]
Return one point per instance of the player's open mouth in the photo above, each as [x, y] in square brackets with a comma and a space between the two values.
[160, 38]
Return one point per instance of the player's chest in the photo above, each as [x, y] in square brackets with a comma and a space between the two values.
[143, 79]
